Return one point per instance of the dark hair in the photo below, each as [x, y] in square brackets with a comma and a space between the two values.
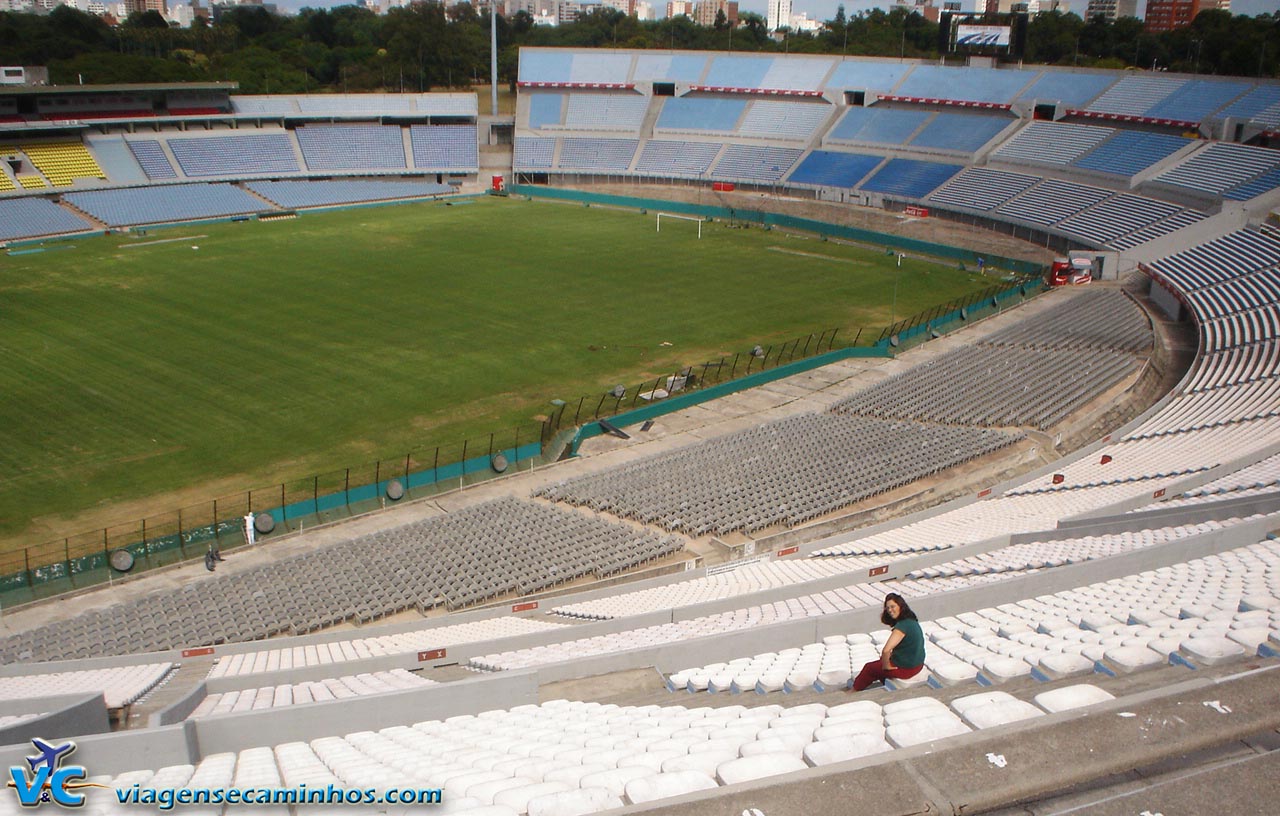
[904, 611]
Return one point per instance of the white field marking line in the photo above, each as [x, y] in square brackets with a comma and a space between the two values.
[162, 241]
[817, 255]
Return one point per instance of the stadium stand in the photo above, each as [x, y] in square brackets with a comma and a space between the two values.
[602, 155]
[1135, 95]
[746, 71]
[804, 467]
[261, 661]
[1119, 215]
[453, 561]
[829, 169]
[6, 182]
[351, 147]
[1067, 88]
[881, 77]
[1052, 143]
[1220, 166]
[1261, 185]
[695, 114]
[605, 111]
[1261, 105]
[800, 74]
[236, 155]
[120, 685]
[314, 691]
[445, 147]
[156, 205]
[978, 188]
[1051, 201]
[750, 163]
[959, 132]
[1175, 222]
[910, 178]
[1197, 99]
[990, 85]
[35, 217]
[151, 157]
[1129, 152]
[660, 157]
[877, 125]
[292, 195]
[62, 162]
[793, 121]
[1012, 385]
[534, 153]
[669, 67]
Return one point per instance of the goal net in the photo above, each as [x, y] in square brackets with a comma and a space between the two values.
[669, 216]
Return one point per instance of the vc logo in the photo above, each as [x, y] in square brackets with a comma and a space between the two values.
[47, 781]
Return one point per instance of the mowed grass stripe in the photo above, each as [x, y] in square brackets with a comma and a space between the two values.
[277, 350]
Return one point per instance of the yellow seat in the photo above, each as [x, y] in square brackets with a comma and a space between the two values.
[63, 162]
[31, 182]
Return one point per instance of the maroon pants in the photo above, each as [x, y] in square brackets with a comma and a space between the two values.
[875, 670]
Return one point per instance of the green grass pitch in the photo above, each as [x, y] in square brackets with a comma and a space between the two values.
[140, 377]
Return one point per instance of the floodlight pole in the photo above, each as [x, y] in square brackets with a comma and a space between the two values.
[493, 57]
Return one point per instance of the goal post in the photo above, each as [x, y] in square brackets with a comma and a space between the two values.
[681, 218]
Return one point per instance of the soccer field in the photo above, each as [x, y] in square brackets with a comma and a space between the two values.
[145, 372]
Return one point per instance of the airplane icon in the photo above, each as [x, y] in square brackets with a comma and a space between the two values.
[50, 755]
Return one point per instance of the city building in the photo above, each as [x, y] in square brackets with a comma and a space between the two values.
[1111, 10]
[1167, 15]
[779, 14]
[705, 12]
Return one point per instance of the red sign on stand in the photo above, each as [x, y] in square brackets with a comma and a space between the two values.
[432, 654]
[916, 212]
[524, 607]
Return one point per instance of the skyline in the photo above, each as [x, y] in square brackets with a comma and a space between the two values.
[826, 9]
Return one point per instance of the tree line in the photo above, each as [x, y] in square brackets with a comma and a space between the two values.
[429, 46]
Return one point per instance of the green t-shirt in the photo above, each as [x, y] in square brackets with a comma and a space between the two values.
[909, 652]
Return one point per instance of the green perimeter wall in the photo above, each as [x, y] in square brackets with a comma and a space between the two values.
[768, 219]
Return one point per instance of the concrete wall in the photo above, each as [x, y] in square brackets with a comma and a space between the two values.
[65, 715]
[121, 751]
[190, 741]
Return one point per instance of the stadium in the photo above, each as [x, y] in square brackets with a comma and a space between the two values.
[656, 599]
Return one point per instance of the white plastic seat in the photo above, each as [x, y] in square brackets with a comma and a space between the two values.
[574, 802]
[1065, 664]
[518, 798]
[951, 673]
[745, 769]
[1069, 697]
[925, 729]
[1126, 659]
[1209, 650]
[664, 785]
[705, 762]
[614, 780]
[844, 748]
